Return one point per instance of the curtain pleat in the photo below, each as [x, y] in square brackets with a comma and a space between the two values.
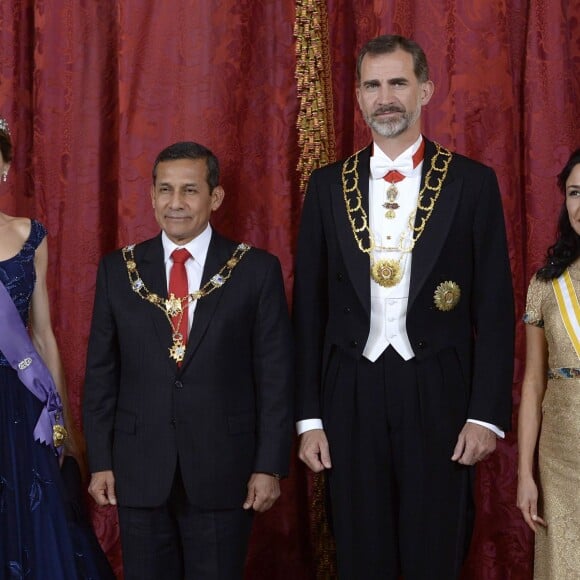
[94, 90]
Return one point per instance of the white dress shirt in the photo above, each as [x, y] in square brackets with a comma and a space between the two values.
[198, 248]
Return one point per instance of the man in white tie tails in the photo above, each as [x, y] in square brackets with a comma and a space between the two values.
[403, 314]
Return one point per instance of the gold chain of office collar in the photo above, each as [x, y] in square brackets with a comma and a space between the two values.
[358, 216]
[389, 272]
[175, 305]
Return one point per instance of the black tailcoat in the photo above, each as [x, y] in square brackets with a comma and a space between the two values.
[462, 367]
[464, 241]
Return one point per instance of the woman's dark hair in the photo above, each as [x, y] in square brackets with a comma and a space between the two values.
[5, 146]
[567, 246]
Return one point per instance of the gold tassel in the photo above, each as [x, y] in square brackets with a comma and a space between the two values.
[316, 140]
[315, 121]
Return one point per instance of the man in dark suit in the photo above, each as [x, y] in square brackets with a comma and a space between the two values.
[404, 320]
[187, 404]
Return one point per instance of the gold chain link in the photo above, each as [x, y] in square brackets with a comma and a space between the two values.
[358, 218]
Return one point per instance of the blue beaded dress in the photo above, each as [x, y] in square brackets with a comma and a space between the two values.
[39, 539]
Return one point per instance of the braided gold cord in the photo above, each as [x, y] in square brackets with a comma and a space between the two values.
[316, 140]
[315, 124]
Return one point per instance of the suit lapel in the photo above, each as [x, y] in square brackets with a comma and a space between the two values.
[219, 252]
[357, 262]
[429, 245]
[152, 271]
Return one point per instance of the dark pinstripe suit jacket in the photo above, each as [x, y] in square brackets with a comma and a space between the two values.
[224, 414]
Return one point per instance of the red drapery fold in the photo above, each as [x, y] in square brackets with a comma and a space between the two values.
[93, 90]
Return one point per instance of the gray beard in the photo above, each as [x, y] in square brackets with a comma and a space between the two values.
[393, 127]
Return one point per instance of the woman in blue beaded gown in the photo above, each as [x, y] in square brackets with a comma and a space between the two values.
[43, 532]
[549, 418]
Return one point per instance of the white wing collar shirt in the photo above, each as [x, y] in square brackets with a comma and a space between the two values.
[391, 235]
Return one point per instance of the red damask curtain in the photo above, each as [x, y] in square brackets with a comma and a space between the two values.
[93, 90]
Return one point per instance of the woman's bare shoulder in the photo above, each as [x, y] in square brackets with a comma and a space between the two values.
[19, 225]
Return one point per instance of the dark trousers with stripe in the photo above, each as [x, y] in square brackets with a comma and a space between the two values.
[398, 504]
[178, 541]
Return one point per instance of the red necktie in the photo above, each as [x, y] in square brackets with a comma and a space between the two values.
[178, 287]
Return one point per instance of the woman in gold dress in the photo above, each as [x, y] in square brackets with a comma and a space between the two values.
[549, 497]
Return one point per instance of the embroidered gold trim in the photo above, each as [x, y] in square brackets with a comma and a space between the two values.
[358, 218]
[174, 305]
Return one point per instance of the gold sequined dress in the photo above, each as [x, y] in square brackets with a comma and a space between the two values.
[557, 547]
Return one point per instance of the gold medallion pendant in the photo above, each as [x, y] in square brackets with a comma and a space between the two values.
[59, 434]
[387, 273]
[177, 350]
[447, 296]
[173, 306]
[391, 204]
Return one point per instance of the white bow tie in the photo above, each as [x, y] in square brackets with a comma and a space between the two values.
[380, 166]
